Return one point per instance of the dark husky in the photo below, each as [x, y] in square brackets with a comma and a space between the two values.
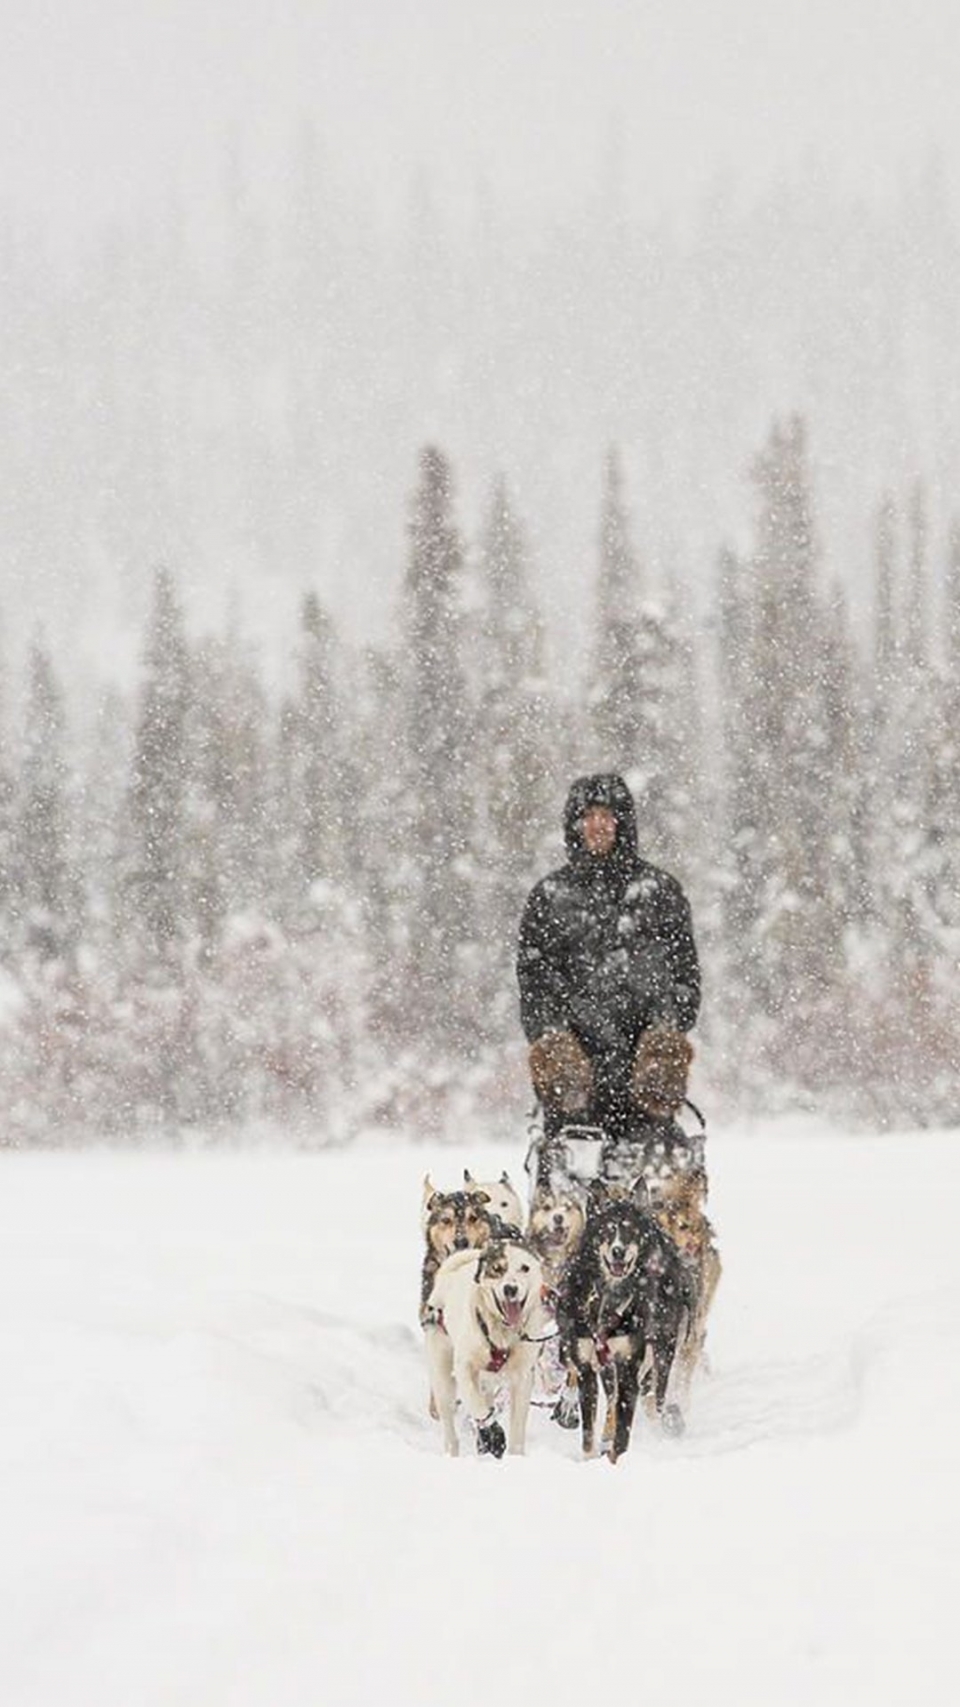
[624, 1300]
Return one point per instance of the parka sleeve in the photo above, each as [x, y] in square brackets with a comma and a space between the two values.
[676, 934]
[543, 989]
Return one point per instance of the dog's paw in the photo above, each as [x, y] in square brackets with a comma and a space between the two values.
[491, 1438]
[671, 1421]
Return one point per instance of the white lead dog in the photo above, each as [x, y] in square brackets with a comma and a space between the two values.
[485, 1322]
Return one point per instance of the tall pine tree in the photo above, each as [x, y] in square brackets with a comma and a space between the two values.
[159, 879]
[440, 961]
[516, 754]
[785, 771]
[46, 876]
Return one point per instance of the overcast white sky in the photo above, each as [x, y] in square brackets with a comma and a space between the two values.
[104, 102]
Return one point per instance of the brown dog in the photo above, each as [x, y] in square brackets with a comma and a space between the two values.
[679, 1210]
[557, 1221]
[451, 1221]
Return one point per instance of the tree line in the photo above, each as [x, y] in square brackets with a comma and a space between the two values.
[223, 904]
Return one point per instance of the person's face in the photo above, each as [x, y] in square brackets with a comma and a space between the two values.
[598, 827]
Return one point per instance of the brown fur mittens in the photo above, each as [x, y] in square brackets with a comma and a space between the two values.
[660, 1069]
[561, 1072]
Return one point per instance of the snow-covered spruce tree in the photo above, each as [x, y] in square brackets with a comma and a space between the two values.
[308, 793]
[741, 871]
[884, 690]
[441, 959]
[943, 801]
[848, 875]
[614, 685]
[158, 884]
[225, 863]
[159, 899]
[517, 758]
[916, 1016]
[942, 862]
[9, 903]
[101, 805]
[321, 981]
[383, 838]
[639, 693]
[229, 830]
[46, 881]
[323, 852]
[788, 777]
[278, 985]
[48, 1048]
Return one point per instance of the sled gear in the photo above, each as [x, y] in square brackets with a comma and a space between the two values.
[660, 1070]
[574, 1158]
[561, 1071]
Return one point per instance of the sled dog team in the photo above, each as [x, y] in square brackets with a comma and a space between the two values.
[613, 1284]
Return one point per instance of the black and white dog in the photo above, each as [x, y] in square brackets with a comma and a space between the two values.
[623, 1304]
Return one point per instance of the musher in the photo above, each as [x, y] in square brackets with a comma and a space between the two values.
[609, 976]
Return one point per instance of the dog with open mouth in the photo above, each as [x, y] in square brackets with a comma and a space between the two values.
[624, 1299]
[557, 1220]
[484, 1323]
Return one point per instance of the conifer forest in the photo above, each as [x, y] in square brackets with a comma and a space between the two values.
[279, 884]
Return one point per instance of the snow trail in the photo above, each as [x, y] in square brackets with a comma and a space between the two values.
[222, 1488]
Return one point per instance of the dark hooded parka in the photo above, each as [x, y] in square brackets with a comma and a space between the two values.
[606, 948]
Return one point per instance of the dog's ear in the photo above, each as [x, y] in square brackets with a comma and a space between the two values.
[505, 1179]
[432, 1198]
[490, 1255]
[468, 1178]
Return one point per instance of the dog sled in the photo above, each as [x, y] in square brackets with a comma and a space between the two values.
[577, 1155]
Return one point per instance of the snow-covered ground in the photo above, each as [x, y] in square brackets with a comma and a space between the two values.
[220, 1487]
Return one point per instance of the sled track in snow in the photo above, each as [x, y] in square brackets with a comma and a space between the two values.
[375, 1378]
[254, 1356]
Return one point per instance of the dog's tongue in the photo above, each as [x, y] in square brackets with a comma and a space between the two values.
[512, 1309]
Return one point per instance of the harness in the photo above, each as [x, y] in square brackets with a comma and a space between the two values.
[617, 1322]
[498, 1353]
